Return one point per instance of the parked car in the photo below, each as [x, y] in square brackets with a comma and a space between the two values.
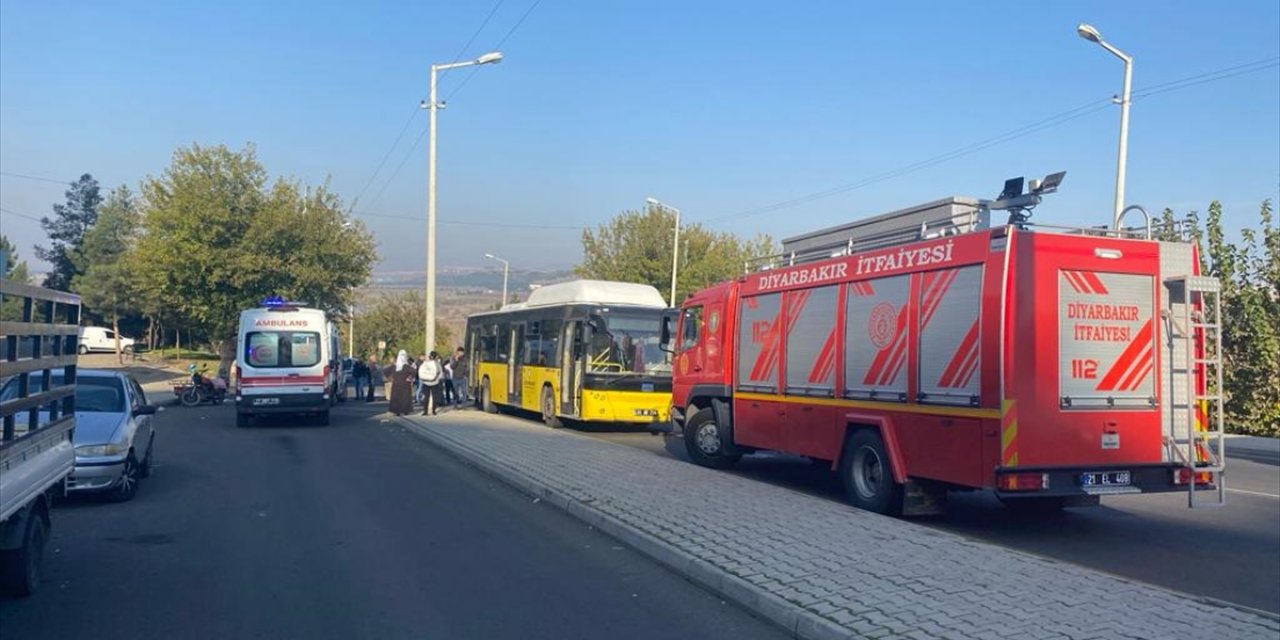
[114, 437]
[102, 339]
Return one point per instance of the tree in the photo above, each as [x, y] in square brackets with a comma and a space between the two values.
[1251, 321]
[15, 270]
[66, 231]
[397, 319]
[108, 280]
[636, 246]
[216, 239]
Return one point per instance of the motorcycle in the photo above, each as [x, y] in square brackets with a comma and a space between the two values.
[201, 390]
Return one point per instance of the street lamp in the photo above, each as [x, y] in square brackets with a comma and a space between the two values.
[433, 105]
[675, 249]
[506, 266]
[1091, 34]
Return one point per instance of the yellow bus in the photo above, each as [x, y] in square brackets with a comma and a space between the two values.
[585, 351]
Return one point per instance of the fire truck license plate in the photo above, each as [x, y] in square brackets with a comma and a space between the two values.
[1104, 478]
[265, 401]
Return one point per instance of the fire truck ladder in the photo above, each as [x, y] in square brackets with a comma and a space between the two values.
[1199, 448]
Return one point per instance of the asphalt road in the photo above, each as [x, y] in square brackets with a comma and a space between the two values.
[355, 530]
[1230, 553]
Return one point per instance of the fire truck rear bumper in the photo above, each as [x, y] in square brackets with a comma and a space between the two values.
[1025, 482]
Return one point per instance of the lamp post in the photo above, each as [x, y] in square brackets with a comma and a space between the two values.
[675, 248]
[1091, 34]
[506, 266]
[433, 105]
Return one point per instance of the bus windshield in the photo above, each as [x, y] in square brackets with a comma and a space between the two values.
[630, 345]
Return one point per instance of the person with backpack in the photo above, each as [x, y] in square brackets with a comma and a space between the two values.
[430, 373]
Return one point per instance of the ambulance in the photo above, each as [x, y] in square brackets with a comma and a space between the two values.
[287, 362]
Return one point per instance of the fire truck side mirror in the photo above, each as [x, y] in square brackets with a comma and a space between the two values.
[668, 324]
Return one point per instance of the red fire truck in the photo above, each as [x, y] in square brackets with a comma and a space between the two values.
[925, 351]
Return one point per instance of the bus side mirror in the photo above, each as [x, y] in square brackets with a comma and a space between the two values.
[668, 323]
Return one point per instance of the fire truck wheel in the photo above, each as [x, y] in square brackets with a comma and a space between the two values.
[867, 476]
[549, 408]
[702, 441]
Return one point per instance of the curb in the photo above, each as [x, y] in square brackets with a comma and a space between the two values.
[796, 621]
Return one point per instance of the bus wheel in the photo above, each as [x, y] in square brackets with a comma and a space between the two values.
[702, 441]
[549, 408]
[868, 476]
[486, 398]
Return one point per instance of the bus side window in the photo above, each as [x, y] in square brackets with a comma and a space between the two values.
[691, 326]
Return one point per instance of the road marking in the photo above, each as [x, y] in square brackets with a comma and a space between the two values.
[1255, 493]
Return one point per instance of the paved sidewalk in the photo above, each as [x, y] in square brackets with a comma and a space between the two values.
[818, 568]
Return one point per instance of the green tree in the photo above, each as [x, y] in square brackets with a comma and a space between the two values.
[397, 318]
[217, 239]
[66, 231]
[107, 283]
[15, 270]
[1251, 323]
[636, 246]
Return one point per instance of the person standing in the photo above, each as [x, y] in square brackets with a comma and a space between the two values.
[447, 383]
[461, 376]
[401, 377]
[431, 373]
[360, 376]
[375, 377]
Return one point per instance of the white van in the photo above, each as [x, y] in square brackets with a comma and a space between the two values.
[287, 362]
[102, 339]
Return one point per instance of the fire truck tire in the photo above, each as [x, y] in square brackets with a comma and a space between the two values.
[702, 441]
[549, 408]
[868, 476]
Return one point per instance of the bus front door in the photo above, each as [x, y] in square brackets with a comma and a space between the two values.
[515, 363]
[571, 357]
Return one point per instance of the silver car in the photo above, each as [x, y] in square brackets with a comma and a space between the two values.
[114, 436]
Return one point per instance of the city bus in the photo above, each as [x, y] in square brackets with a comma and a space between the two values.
[583, 351]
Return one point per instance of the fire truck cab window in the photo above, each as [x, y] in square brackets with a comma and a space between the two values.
[691, 328]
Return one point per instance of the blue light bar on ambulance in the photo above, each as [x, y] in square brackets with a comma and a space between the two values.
[274, 301]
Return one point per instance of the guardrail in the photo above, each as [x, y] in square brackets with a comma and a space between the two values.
[39, 333]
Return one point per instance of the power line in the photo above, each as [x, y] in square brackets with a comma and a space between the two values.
[20, 215]
[1047, 123]
[497, 47]
[383, 162]
[408, 154]
[472, 39]
[36, 178]
[418, 140]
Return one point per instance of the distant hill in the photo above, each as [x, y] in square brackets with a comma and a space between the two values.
[468, 279]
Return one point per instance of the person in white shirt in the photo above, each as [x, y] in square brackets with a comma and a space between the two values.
[430, 373]
[448, 383]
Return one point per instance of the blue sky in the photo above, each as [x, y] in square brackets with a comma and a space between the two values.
[719, 108]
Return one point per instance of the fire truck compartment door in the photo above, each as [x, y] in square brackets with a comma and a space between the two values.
[1106, 340]
[758, 423]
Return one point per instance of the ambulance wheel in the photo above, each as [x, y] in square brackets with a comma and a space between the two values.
[322, 418]
[702, 441]
[486, 398]
[82, 350]
[868, 474]
[549, 408]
